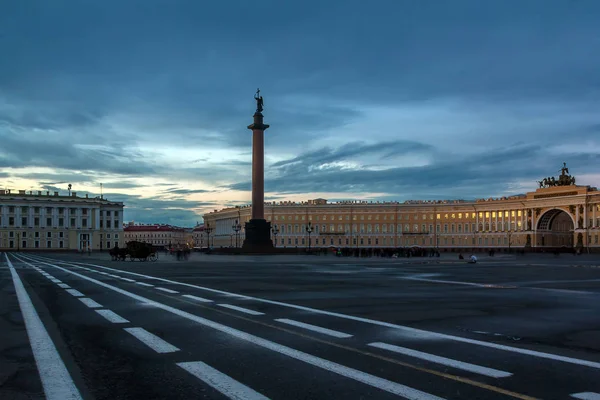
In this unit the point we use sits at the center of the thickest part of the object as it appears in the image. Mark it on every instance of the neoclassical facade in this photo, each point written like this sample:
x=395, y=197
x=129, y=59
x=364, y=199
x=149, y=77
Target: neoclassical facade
x=560, y=214
x=37, y=220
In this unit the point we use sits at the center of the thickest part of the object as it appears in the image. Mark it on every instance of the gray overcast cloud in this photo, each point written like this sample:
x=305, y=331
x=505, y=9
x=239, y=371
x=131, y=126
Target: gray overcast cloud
x=391, y=99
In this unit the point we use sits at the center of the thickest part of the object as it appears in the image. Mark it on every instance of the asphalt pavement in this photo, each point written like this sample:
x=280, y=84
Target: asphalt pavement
x=299, y=327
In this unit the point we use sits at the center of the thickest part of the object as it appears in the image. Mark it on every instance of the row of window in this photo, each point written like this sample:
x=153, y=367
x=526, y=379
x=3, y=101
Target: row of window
x=37, y=244
x=385, y=228
x=61, y=210
x=473, y=215
x=61, y=222
x=415, y=216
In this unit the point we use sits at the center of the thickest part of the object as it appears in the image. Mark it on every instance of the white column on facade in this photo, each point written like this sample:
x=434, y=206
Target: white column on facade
x=503, y=222
x=5, y=215
x=585, y=216
x=17, y=216
x=576, y=217
x=594, y=206
x=496, y=222
x=97, y=218
x=30, y=217
x=489, y=221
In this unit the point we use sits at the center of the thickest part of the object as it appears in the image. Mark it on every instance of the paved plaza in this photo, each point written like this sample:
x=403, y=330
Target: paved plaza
x=299, y=327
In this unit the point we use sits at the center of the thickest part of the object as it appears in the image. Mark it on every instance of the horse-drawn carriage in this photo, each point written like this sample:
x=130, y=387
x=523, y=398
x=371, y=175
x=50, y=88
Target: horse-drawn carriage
x=135, y=250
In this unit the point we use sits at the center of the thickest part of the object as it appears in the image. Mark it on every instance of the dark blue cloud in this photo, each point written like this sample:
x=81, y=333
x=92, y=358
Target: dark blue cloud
x=355, y=93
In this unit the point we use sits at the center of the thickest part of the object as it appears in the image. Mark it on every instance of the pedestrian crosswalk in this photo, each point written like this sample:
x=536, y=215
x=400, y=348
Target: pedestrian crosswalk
x=420, y=351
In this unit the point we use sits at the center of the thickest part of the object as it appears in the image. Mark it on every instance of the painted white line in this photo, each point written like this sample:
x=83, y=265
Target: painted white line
x=74, y=292
x=201, y=299
x=54, y=280
x=64, y=286
x=221, y=382
x=112, y=317
x=241, y=309
x=586, y=396
x=144, y=284
x=368, y=379
x=152, y=341
x=494, y=373
x=90, y=303
x=166, y=290
x=127, y=279
x=314, y=328
x=56, y=381
x=414, y=332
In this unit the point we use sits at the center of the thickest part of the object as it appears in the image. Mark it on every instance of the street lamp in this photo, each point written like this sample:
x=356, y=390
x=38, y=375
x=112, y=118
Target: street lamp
x=275, y=231
x=237, y=227
x=309, y=230
x=208, y=231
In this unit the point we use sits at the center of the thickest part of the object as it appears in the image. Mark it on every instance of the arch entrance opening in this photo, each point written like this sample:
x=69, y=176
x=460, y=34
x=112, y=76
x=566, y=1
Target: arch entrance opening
x=555, y=229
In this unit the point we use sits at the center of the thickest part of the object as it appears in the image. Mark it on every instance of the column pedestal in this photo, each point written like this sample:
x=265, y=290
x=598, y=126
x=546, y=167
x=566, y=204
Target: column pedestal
x=258, y=237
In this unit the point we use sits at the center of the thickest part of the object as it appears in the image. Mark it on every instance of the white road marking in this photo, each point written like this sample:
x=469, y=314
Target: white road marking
x=127, y=279
x=54, y=280
x=154, y=342
x=586, y=396
x=75, y=293
x=314, y=328
x=112, y=317
x=166, y=290
x=64, y=286
x=368, y=379
x=56, y=381
x=413, y=332
x=202, y=299
x=114, y=276
x=241, y=309
x=221, y=382
x=144, y=284
x=90, y=303
x=494, y=373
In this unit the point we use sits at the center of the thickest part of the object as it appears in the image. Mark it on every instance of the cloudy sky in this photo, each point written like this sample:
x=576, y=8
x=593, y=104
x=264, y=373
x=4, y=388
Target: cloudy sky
x=387, y=99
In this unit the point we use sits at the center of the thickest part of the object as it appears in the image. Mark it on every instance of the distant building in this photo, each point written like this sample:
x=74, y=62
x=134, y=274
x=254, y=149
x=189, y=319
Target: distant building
x=36, y=220
x=559, y=214
x=159, y=234
x=199, y=236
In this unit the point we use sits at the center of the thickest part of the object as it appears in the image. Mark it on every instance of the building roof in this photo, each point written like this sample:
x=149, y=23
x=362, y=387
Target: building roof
x=152, y=228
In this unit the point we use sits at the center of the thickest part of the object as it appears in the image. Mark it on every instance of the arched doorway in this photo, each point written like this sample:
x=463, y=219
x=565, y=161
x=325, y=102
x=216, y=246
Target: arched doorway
x=555, y=229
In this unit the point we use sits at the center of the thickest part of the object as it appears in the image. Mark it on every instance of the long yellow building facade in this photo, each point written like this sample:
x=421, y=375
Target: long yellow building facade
x=560, y=214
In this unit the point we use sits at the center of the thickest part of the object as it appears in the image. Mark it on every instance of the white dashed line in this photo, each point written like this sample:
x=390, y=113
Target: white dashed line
x=112, y=317
x=127, y=279
x=368, y=379
x=75, y=293
x=314, y=328
x=201, y=299
x=494, y=373
x=64, y=286
x=90, y=303
x=228, y=386
x=586, y=396
x=241, y=309
x=154, y=342
x=166, y=290
x=56, y=381
x=144, y=284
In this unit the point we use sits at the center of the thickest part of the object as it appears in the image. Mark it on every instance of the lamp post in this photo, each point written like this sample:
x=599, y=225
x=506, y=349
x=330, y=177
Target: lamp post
x=275, y=231
x=309, y=230
x=208, y=231
x=237, y=227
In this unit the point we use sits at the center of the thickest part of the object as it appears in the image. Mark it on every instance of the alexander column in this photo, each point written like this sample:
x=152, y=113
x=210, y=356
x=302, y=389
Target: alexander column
x=258, y=230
